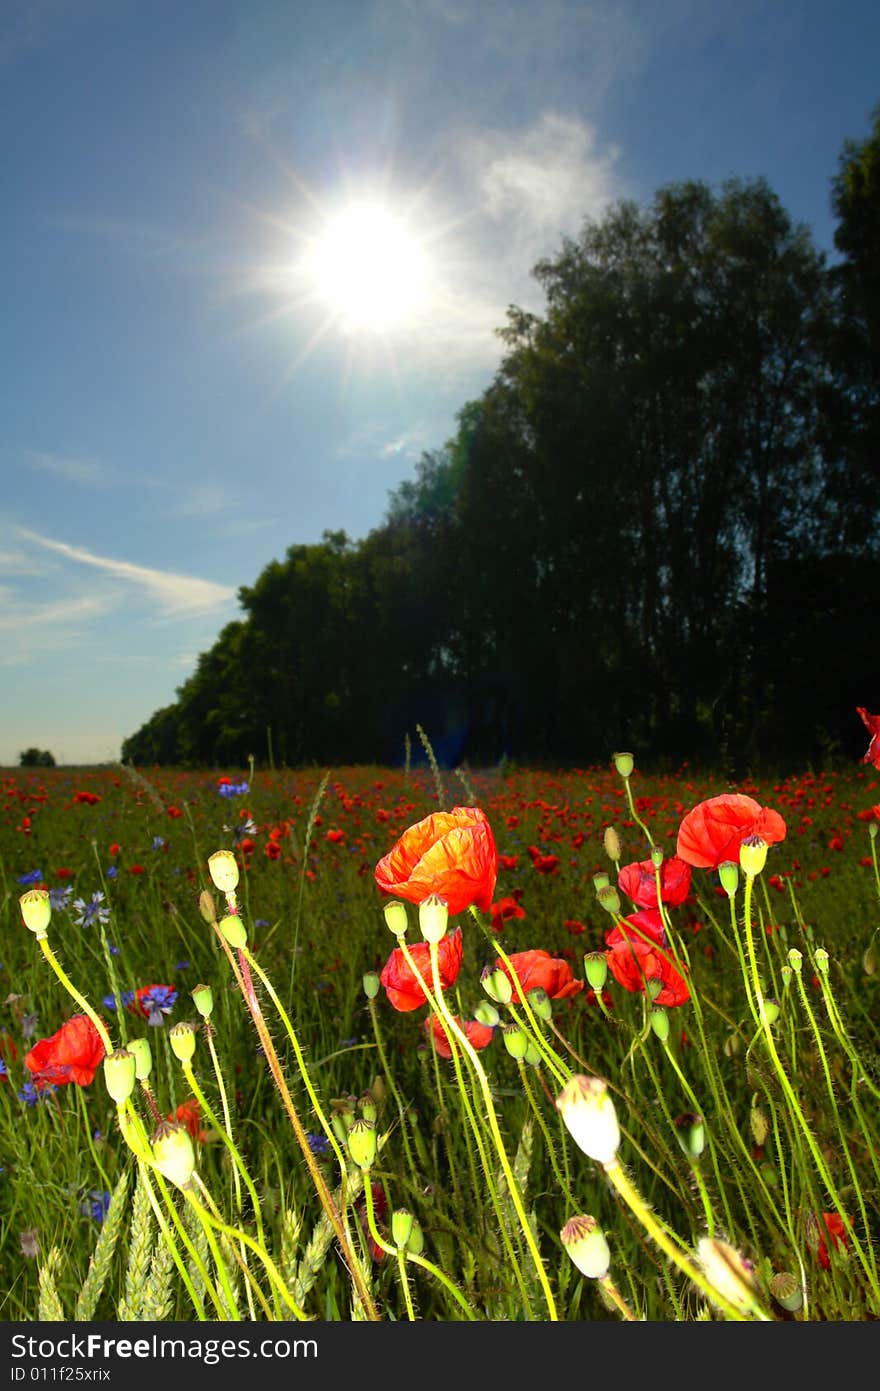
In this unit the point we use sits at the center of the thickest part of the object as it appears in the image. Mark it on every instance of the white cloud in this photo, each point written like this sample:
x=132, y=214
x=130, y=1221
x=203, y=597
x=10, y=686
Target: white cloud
x=176, y=595
x=66, y=467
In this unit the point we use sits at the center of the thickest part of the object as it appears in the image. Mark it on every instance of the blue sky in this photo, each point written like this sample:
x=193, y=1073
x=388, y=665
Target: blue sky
x=254, y=254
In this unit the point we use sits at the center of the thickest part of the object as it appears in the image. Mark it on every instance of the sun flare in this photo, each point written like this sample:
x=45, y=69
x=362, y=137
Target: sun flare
x=369, y=268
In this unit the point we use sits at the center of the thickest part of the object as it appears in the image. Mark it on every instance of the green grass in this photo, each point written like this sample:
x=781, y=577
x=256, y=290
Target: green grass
x=474, y=1147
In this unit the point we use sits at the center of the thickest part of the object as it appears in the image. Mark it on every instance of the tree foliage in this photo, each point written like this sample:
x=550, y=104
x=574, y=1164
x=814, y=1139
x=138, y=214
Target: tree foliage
x=657, y=527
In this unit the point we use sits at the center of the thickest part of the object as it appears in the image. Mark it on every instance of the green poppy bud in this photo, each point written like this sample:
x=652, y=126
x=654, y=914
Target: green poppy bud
x=795, y=960
x=611, y=841
x=371, y=984
x=624, y=763
x=820, y=958
x=496, y=984
x=143, y=1057
x=690, y=1131
x=659, y=1021
x=207, y=906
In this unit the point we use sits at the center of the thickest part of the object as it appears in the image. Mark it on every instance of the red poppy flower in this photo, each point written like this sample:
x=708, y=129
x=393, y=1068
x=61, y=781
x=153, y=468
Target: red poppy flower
x=136, y=869
x=400, y=981
x=508, y=861
x=73, y=1054
x=538, y=968
x=273, y=850
x=714, y=830
x=647, y=923
x=639, y=882
x=174, y=812
x=380, y=1207
x=335, y=837
x=503, y=910
x=87, y=798
x=836, y=1229
x=451, y=853
x=872, y=723
x=635, y=962
x=189, y=1114
x=478, y=1035
x=114, y=849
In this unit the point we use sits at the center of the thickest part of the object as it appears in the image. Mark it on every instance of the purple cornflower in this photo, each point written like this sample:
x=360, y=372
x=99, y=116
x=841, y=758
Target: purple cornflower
x=91, y=912
x=157, y=1001
x=59, y=898
x=33, y=876
x=318, y=1144
x=233, y=789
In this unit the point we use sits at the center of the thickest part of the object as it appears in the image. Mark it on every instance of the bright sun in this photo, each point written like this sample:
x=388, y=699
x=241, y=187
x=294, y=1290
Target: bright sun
x=369, y=268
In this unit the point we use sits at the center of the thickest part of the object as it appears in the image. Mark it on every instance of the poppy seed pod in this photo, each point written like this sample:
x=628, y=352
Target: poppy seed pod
x=590, y=1117
x=36, y=910
x=233, y=930
x=596, y=969
x=786, y=1290
x=624, y=763
x=395, y=917
x=433, y=918
x=728, y=873
x=182, y=1037
x=223, y=869
x=752, y=856
x=362, y=1144
x=585, y=1243
x=173, y=1153
x=120, y=1074
x=203, y=999
x=371, y=983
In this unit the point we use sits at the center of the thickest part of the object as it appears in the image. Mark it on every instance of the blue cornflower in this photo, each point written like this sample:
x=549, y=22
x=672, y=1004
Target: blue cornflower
x=156, y=1001
x=32, y=1096
x=158, y=842
x=112, y=871
x=182, y=966
x=114, y=951
x=233, y=789
x=318, y=1144
x=95, y=1204
x=91, y=912
x=59, y=898
x=28, y=1025
x=109, y=1000
x=2, y=1068
x=33, y=876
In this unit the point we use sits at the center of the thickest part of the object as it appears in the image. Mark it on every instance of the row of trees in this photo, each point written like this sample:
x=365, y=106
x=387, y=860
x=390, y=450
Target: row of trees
x=657, y=527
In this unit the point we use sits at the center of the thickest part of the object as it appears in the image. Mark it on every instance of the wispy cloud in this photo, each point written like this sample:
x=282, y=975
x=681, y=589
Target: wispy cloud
x=31, y=629
x=67, y=467
x=177, y=595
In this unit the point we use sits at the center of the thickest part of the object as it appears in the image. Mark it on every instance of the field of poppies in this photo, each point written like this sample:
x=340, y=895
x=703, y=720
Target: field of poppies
x=418, y=1044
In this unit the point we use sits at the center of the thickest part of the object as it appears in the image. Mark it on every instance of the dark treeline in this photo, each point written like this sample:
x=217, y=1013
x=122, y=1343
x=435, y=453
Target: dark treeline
x=656, y=529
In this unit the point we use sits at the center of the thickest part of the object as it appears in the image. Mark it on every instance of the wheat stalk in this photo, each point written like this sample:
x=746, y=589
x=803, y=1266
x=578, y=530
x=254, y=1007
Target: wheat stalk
x=102, y=1258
